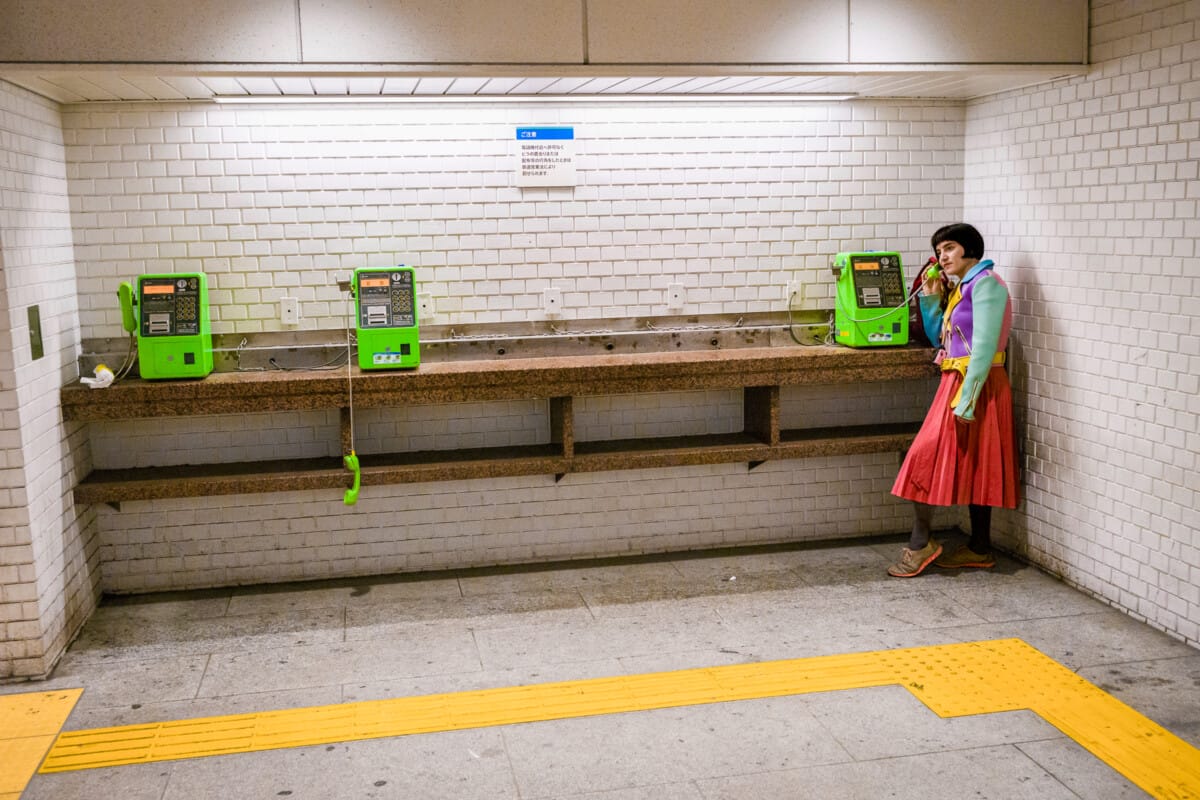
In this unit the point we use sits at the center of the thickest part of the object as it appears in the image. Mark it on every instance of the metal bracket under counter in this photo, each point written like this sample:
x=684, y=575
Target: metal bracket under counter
x=758, y=372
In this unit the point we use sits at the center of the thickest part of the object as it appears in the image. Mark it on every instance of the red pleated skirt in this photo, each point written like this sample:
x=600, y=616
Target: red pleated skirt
x=952, y=462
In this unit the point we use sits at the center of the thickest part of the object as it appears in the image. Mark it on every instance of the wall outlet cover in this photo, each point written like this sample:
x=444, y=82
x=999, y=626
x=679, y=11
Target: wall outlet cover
x=289, y=310
x=552, y=301
x=425, y=307
x=676, y=296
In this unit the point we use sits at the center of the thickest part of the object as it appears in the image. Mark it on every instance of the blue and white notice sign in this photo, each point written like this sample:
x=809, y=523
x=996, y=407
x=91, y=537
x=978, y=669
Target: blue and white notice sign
x=546, y=156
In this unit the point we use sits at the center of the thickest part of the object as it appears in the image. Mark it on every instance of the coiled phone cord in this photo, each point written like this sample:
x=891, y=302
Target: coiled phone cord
x=130, y=359
x=929, y=267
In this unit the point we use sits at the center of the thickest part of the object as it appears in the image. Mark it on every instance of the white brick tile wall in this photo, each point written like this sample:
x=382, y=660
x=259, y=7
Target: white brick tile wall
x=121, y=444
x=164, y=544
x=831, y=405
x=645, y=416
x=451, y=426
x=731, y=202
x=1087, y=189
x=48, y=574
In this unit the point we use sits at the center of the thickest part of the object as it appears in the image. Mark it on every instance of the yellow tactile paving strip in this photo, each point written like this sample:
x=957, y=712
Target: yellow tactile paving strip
x=952, y=680
x=29, y=724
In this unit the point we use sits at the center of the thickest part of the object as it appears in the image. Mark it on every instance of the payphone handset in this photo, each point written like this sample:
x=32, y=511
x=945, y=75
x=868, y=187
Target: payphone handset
x=129, y=320
x=169, y=315
x=385, y=304
x=870, y=308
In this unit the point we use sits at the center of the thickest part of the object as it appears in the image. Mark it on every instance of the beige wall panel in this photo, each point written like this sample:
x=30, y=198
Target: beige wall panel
x=148, y=30
x=690, y=32
x=969, y=31
x=442, y=31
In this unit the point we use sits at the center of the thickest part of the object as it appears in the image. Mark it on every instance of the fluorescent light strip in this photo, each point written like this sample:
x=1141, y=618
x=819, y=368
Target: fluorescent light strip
x=531, y=98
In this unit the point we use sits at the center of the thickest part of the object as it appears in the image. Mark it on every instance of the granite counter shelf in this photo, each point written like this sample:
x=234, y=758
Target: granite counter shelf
x=758, y=372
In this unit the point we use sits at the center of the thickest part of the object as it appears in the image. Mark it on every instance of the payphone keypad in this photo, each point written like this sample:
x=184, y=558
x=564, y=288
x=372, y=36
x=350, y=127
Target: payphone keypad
x=185, y=308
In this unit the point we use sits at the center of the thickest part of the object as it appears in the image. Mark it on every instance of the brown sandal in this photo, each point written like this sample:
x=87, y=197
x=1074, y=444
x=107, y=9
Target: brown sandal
x=913, y=562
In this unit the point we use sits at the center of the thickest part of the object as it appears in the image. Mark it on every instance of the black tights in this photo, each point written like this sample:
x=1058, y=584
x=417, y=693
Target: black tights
x=981, y=527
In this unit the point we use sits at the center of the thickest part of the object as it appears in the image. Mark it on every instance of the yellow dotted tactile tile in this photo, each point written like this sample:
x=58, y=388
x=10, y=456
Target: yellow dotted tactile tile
x=952, y=680
x=28, y=725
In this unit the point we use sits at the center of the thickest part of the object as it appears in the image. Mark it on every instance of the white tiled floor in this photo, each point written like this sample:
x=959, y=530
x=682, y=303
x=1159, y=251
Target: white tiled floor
x=219, y=652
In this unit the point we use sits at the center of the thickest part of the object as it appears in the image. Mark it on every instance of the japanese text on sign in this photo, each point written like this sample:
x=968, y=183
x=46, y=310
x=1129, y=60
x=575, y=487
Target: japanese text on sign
x=546, y=156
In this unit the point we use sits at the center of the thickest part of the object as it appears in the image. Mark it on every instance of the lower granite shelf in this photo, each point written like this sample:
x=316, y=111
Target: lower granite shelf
x=759, y=372
x=153, y=483
x=206, y=480
x=451, y=465
x=672, y=451
x=850, y=439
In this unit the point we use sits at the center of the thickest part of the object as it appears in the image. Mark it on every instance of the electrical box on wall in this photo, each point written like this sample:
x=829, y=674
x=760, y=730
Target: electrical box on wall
x=385, y=304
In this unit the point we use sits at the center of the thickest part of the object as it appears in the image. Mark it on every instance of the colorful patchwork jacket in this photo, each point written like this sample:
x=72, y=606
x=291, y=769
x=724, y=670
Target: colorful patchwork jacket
x=973, y=331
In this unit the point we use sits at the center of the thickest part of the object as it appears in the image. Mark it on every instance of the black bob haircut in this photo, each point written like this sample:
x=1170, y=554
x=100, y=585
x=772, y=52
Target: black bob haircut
x=963, y=234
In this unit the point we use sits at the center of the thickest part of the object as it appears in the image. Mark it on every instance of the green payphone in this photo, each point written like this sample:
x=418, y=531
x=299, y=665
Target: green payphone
x=385, y=303
x=169, y=314
x=870, y=308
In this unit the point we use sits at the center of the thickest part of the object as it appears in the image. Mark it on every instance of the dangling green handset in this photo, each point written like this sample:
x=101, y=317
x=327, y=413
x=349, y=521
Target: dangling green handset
x=351, y=462
x=129, y=319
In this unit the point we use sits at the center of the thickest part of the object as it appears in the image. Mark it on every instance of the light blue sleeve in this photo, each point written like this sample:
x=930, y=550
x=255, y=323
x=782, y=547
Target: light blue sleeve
x=931, y=316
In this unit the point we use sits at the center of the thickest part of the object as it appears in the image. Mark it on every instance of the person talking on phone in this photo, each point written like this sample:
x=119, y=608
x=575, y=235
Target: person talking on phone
x=965, y=452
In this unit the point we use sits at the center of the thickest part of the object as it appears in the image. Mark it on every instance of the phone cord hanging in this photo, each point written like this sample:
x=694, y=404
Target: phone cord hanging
x=351, y=461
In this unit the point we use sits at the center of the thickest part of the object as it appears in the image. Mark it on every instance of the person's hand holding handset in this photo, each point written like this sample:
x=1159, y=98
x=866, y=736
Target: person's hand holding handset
x=934, y=282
